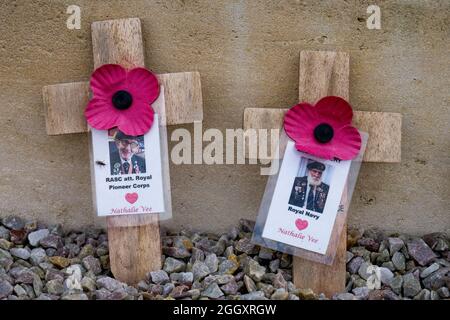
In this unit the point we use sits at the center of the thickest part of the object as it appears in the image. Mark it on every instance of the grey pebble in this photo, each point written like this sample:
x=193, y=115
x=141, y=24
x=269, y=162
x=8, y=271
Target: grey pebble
x=159, y=277
x=109, y=283
x=212, y=291
x=398, y=259
x=35, y=237
x=21, y=253
x=5, y=289
x=13, y=222
x=173, y=265
x=432, y=268
x=411, y=286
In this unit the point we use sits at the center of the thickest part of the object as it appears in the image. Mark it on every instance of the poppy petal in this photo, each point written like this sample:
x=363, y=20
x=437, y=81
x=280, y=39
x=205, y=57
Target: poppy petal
x=100, y=115
x=137, y=120
x=336, y=108
x=143, y=84
x=300, y=121
x=346, y=143
x=107, y=79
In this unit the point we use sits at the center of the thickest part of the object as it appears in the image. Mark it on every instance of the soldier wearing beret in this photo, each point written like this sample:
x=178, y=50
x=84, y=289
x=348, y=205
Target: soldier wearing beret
x=309, y=191
x=125, y=160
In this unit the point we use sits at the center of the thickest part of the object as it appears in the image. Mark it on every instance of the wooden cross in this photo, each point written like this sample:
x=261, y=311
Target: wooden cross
x=326, y=73
x=134, y=240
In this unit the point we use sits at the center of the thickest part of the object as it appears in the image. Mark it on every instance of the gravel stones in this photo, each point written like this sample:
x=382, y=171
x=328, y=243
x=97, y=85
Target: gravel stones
x=21, y=253
x=255, y=270
x=344, y=296
x=45, y=263
x=411, y=285
x=396, y=284
x=4, y=233
x=88, y=284
x=249, y=284
x=265, y=253
x=257, y=295
x=24, y=275
x=443, y=292
x=174, y=265
x=109, y=283
x=228, y=266
x=92, y=264
x=179, y=253
x=245, y=246
x=420, y=251
x=354, y=265
x=182, y=278
x=231, y=288
x=395, y=244
x=280, y=294
x=437, y=241
x=55, y=287
x=437, y=279
x=361, y=293
x=35, y=237
x=212, y=262
x=13, y=223
x=159, y=277
x=212, y=291
x=51, y=241
x=200, y=270
x=399, y=261
x=5, y=289
x=60, y=262
x=385, y=275
x=369, y=243
x=363, y=270
x=246, y=225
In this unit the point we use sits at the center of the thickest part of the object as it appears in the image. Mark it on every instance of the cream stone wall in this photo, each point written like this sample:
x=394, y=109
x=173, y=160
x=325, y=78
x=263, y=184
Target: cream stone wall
x=247, y=53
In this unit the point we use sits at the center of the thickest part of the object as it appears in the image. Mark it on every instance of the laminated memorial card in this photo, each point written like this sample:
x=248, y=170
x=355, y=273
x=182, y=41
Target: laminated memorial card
x=306, y=200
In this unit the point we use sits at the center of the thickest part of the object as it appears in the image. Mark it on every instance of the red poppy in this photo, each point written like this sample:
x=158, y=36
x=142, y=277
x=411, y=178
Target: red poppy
x=122, y=98
x=324, y=130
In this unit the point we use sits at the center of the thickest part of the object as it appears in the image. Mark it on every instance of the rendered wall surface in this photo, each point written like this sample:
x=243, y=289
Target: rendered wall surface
x=247, y=53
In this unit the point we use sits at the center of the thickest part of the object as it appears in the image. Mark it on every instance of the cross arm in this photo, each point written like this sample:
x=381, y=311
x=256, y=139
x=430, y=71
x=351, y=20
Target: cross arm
x=384, y=130
x=326, y=73
x=64, y=103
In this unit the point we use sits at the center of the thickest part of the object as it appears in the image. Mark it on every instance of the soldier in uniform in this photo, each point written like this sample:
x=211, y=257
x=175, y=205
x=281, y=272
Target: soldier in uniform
x=125, y=160
x=309, y=191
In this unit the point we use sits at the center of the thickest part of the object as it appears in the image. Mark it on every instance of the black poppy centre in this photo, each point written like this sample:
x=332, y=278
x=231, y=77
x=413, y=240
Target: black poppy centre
x=122, y=100
x=323, y=133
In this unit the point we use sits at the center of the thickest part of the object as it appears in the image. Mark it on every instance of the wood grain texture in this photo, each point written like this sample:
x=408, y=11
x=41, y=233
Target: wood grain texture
x=384, y=130
x=385, y=135
x=64, y=106
x=183, y=95
x=118, y=41
x=322, y=278
x=133, y=250
x=323, y=74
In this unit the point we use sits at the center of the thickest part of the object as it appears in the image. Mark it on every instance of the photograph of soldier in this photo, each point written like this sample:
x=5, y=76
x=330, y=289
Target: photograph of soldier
x=310, y=191
x=126, y=154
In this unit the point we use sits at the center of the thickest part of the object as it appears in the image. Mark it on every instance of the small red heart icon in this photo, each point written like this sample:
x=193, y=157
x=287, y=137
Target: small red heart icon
x=301, y=224
x=131, y=197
